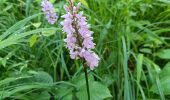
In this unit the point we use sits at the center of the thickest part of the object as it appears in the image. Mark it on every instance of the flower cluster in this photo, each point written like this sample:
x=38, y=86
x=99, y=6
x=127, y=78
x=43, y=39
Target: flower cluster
x=49, y=11
x=79, y=39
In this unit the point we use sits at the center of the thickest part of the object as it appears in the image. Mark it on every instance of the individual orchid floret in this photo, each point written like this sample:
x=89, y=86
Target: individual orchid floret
x=91, y=58
x=49, y=11
x=79, y=39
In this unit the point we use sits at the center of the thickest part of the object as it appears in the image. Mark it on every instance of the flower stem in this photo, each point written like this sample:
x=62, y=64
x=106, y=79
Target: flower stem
x=87, y=83
x=55, y=73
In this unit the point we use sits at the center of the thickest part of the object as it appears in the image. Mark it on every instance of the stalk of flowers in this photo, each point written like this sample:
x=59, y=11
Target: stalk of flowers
x=49, y=11
x=79, y=39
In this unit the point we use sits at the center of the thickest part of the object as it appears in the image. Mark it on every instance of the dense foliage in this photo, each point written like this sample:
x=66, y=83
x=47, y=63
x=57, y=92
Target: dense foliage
x=132, y=39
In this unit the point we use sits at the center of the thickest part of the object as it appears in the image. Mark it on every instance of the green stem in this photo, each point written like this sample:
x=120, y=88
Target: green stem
x=87, y=83
x=55, y=73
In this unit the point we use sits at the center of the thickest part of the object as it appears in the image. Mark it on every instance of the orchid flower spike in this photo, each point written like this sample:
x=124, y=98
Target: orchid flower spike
x=79, y=39
x=49, y=11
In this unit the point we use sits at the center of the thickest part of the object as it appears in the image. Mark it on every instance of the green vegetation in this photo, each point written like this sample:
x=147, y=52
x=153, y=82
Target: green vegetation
x=132, y=39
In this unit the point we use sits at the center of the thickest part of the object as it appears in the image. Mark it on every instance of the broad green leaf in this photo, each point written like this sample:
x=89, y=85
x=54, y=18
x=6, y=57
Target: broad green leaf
x=43, y=77
x=80, y=80
x=164, y=84
x=64, y=92
x=98, y=91
x=164, y=54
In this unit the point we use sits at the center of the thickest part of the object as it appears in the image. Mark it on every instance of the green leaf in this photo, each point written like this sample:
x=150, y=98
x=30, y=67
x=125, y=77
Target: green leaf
x=146, y=50
x=164, y=84
x=164, y=54
x=21, y=88
x=17, y=26
x=33, y=40
x=48, y=33
x=38, y=1
x=36, y=25
x=68, y=97
x=84, y=3
x=41, y=96
x=14, y=39
x=43, y=77
x=3, y=62
x=108, y=79
x=80, y=80
x=12, y=79
x=165, y=1
x=139, y=66
x=165, y=71
x=98, y=91
x=64, y=92
x=52, y=1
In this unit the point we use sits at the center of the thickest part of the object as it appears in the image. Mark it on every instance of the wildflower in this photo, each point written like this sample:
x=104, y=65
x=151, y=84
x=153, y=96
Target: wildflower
x=49, y=11
x=79, y=38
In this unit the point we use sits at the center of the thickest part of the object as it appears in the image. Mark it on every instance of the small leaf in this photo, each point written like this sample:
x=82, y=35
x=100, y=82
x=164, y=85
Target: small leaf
x=48, y=33
x=36, y=25
x=146, y=50
x=33, y=40
x=3, y=62
x=84, y=3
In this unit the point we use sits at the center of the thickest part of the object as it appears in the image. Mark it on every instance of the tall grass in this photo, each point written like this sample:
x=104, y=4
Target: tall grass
x=132, y=41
